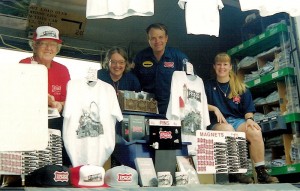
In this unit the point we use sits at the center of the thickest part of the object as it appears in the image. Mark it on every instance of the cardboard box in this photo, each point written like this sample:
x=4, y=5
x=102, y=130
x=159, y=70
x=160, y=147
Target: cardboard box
x=130, y=101
x=68, y=24
x=146, y=170
x=206, y=178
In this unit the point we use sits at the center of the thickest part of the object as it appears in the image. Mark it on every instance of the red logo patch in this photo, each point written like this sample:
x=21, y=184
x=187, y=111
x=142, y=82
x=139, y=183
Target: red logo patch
x=124, y=177
x=137, y=129
x=165, y=135
x=61, y=176
x=169, y=64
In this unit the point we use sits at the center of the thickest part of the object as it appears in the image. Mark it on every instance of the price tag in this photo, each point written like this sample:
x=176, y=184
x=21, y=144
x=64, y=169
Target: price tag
x=92, y=74
x=189, y=68
x=262, y=36
x=257, y=81
x=275, y=75
x=291, y=169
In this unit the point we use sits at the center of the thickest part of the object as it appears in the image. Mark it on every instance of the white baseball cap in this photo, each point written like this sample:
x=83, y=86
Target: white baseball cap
x=121, y=177
x=47, y=32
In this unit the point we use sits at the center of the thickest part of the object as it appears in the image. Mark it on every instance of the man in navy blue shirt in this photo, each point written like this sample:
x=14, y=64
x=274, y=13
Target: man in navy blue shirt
x=154, y=66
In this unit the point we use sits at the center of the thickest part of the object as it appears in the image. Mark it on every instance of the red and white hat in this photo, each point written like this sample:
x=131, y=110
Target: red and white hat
x=87, y=176
x=47, y=32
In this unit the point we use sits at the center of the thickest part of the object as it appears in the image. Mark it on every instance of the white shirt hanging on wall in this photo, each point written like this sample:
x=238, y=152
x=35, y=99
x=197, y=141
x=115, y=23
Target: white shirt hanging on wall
x=271, y=7
x=202, y=16
x=90, y=116
x=118, y=9
x=188, y=102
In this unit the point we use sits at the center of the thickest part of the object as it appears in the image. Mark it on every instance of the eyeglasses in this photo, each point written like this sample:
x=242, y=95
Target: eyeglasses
x=47, y=44
x=115, y=62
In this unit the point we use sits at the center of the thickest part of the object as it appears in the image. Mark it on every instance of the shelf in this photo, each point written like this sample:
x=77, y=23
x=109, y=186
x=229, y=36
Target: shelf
x=148, y=115
x=292, y=117
x=277, y=75
x=259, y=43
x=288, y=169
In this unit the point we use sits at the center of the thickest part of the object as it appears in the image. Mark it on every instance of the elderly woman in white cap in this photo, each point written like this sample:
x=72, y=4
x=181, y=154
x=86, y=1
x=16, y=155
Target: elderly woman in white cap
x=45, y=45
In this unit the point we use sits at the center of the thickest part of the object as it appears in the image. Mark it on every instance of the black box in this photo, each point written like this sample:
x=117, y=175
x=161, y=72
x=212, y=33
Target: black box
x=136, y=124
x=165, y=134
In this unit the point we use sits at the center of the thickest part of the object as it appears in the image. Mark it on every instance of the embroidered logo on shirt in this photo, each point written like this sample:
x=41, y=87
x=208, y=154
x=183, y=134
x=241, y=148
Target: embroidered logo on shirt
x=56, y=89
x=147, y=64
x=236, y=99
x=169, y=64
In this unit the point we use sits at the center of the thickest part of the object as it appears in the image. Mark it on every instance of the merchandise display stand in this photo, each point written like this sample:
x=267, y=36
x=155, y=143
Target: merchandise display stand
x=219, y=187
x=275, y=92
x=24, y=117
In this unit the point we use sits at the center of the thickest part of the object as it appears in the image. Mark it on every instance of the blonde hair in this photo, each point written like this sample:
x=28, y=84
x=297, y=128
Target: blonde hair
x=237, y=87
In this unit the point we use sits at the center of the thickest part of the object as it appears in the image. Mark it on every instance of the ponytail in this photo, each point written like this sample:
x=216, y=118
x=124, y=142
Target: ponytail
x=237, y=87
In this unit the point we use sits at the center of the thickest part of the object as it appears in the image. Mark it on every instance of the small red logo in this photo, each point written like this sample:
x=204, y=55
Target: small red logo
x=236, y=99
x=169, y=64
x=137, y=129
x=165, y=135
x=126, y=131
x=61, y=176
x=125, y=177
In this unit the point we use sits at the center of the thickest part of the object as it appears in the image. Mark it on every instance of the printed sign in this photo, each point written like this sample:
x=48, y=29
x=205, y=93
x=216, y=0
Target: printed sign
x=221, y=152
x=68, y=24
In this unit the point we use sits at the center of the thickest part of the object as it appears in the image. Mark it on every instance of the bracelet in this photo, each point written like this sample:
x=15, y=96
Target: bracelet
x=250, y=118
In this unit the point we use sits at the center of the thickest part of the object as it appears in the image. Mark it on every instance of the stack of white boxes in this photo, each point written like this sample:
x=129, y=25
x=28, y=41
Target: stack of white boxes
x=22, y=163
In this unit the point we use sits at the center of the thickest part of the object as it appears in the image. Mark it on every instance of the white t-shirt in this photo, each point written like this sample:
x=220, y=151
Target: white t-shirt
x=90, y=115
x=270, y=7
x=202, y=16
x=188, y=102
x=118, y=9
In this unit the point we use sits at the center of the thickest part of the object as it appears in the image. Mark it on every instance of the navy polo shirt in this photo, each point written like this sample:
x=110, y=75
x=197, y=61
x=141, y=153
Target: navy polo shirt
x=156, y=76
x=128, y=81
x=236, y=108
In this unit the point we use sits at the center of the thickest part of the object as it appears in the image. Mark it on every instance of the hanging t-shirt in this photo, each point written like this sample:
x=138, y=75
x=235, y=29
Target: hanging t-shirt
x=271, y=7
x=202, y=16
x=118, y=9
x=90, y=115
x=188, y=103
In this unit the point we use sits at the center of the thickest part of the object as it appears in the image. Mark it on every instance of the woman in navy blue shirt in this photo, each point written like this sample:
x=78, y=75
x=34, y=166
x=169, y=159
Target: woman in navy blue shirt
x=231, y=109
x=116, y=71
